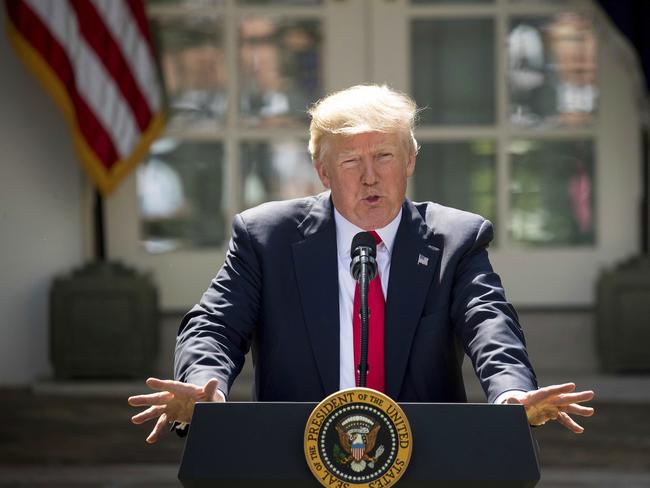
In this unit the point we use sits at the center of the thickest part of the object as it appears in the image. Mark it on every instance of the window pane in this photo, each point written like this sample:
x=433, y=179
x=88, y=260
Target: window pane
x=180, y=192
x=276, y=171
x=543, y=2
x=449, y=2
x=552, y=71
x=280, y=70
x=186, y=3
x=452, y=68
x=194, y=71
x=552, y=192
x=458, y=174
x=280, y=2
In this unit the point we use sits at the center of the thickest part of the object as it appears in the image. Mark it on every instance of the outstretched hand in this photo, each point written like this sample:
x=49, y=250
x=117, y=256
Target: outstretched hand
x=555, y=402
x=174, y=402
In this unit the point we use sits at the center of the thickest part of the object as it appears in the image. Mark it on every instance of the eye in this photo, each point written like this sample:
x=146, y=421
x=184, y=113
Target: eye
x=349, y=161
x=385, y=155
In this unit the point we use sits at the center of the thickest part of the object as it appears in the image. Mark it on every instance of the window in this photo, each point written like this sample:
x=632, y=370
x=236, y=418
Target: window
x=530, y=122
x=511, y=101
x=237, y=84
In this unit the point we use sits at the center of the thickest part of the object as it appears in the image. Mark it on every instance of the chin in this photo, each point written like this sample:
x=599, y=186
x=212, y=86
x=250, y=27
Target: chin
x=374, y=222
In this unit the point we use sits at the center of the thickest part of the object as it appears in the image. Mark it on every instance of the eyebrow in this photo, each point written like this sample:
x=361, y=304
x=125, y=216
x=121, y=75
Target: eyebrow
x=387, y=146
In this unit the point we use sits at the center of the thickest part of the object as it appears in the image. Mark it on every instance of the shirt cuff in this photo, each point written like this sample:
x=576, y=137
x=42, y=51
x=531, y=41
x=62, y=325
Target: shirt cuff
x=509, y=394
x=221, y=395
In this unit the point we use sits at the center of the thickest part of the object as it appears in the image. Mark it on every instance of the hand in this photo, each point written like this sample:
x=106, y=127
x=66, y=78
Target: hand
x=555, y=402
x=173, y=403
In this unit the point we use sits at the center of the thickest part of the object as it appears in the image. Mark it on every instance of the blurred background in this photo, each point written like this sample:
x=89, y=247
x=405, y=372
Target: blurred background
x=535, y=115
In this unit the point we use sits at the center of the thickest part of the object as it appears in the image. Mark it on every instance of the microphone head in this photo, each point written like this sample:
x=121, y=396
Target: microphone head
x=363, y=251
x=363, y=239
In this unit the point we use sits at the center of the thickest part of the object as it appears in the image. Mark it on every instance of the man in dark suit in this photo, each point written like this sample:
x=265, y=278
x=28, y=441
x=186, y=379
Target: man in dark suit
x=285, y=287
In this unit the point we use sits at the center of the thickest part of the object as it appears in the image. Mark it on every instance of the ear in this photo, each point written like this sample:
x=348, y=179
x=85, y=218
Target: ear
x=410, y=164
x=321, y=169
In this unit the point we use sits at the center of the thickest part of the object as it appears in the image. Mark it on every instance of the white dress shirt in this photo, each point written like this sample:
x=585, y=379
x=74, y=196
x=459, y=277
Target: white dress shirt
x=345, y=232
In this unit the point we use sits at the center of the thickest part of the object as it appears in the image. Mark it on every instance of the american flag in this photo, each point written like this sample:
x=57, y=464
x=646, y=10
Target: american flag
x=95, y=58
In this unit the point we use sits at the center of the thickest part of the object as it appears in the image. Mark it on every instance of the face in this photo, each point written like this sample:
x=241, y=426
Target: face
x=367, y=175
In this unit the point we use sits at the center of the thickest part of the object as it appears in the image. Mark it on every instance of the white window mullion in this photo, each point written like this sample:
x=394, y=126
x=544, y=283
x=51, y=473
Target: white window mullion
x=232, y=197
x=503, y=139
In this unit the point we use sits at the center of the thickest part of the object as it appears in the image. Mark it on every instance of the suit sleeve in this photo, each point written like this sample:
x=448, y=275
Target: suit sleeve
x=216, y=334
x=487, y=324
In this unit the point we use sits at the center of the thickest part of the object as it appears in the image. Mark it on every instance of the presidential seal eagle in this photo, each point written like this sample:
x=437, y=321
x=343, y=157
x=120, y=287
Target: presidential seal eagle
x=357, y=445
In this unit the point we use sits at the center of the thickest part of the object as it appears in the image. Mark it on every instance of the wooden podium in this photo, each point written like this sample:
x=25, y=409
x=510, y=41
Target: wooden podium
x=454, y=445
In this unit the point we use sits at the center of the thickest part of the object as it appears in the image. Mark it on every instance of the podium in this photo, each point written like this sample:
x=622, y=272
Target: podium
x=255, y=444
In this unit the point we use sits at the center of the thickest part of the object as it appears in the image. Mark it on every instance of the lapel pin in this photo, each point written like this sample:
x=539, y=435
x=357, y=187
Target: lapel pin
x=423, y=260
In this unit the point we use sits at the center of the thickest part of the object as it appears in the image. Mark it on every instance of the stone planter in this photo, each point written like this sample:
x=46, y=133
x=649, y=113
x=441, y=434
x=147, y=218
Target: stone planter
x=103, y=323
x=623, y=317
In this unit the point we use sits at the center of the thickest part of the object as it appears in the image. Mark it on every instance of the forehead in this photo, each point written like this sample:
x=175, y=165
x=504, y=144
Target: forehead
x=369, y=141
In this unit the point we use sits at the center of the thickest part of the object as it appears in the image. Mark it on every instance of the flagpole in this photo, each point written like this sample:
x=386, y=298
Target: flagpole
x=645, y=211
x=100, y=242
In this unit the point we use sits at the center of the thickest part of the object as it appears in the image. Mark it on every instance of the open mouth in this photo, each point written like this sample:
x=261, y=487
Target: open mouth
x=372, y=199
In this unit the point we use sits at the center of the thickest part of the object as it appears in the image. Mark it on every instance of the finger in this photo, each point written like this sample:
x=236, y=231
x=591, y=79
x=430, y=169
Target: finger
x=549, y=391
x=569, y=423
x=174, y=386
x=158, y=428
x=569, y=398
x=210, y=390
x=148, y=414
x=543, y=394
x=159, y=398
x=578, y=410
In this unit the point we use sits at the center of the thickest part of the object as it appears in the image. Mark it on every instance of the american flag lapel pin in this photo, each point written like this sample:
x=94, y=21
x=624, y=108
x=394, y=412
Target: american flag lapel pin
x=423, y=260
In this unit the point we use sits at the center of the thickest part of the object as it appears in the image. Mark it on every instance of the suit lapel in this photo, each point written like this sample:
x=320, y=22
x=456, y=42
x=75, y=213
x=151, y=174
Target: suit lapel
x=316, y=267
x=413, y=263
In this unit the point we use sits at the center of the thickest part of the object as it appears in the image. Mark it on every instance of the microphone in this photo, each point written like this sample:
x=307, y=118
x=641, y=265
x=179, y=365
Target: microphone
x=363, y=251
x=363, y=268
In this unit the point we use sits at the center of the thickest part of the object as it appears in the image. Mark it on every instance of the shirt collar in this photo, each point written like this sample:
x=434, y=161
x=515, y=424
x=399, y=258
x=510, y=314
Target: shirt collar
x=346, y=230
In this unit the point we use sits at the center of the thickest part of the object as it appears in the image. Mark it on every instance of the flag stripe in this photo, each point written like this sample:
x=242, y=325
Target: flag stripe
x=101, y=40
x=135, y=49
x=94, y=84
x=36, y=33
x=138, y=13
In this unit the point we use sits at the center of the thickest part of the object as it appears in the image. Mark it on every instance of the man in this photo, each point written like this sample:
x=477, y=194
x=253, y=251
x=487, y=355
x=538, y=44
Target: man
x=285, y=288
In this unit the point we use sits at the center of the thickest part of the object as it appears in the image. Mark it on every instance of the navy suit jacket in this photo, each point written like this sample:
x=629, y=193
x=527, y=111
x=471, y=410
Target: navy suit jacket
x=278, y=292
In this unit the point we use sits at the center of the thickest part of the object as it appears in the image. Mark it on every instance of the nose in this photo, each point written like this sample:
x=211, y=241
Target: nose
x=369, y=176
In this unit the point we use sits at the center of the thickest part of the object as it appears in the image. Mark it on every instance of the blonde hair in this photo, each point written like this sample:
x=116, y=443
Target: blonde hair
x=361, y=109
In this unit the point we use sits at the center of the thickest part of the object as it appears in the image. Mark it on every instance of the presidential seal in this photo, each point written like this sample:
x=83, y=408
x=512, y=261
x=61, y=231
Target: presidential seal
x=358, y=437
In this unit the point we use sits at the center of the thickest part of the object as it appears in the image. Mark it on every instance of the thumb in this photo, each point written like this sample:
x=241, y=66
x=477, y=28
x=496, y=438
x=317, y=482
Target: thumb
x=512, y=401
x=210, y=390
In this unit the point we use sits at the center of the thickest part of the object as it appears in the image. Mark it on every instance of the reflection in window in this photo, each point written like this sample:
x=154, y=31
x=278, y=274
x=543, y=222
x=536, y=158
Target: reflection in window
x=543, y=2
x=552, y=71
x=279, y=69
x=552, y=192
x=187, y=4
x=449, y=2
x=194, y=71
x=458, y=174
x=452, y=70
x=280, y=2
x=180, y=189
x=276, y=171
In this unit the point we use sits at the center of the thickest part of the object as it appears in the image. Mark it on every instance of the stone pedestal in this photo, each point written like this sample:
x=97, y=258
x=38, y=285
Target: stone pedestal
x=103, y=323
x=623, y=317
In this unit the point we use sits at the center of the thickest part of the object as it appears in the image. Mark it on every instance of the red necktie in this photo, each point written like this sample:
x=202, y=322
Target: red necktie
x=376, y=303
